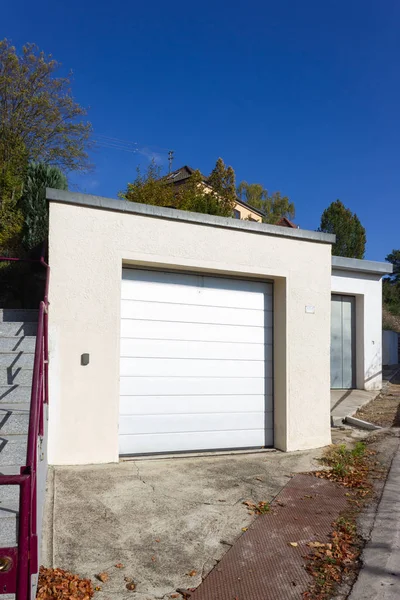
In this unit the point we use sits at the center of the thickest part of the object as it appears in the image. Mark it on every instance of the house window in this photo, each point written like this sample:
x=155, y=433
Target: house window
x=236, y=213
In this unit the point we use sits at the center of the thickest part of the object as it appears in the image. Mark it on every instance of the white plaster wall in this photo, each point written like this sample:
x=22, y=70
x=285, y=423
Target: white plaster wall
x=367, y=288
x=390, y=352
x=87, y=249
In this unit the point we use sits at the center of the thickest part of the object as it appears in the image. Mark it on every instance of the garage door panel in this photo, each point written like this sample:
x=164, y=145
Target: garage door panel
x=135, y=348
x=197, y=297
x=191, y=367
x=195, y=289
x=138, y=424
x=185, y=313
x=210, y=386
x=142, y=405
x=181, y=442
x=193, y=331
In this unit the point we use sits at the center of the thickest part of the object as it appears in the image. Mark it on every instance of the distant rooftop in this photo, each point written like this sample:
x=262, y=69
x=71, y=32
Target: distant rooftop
x=185, y=172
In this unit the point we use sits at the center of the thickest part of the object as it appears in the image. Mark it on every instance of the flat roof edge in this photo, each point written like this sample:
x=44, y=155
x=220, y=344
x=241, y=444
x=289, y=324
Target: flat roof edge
x=364, y=266
x=159, y=212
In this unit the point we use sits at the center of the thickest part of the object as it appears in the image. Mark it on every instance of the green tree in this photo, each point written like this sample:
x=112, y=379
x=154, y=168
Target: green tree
x=150, y=188
x=38, y=112
x=391, y=284
x=196, y=197
x=39, y=121
x=222, y=181
x=273, y=206
x=11, y=221
x=192, y=195
x=39, y=176
x=11, y=184
x=394, y=258
x=350, y=234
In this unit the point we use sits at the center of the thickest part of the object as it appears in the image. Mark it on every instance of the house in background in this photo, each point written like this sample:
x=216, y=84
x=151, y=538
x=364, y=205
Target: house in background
x=242, y=210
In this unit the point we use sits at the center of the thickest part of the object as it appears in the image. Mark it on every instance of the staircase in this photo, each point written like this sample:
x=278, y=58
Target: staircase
x=17, y=347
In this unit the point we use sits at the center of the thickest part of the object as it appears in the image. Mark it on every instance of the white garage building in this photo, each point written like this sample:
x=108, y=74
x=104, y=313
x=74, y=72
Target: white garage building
x=172, y=332
x=356, y=324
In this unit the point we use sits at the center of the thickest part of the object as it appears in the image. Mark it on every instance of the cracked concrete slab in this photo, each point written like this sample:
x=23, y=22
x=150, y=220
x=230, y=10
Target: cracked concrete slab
x=161, y=518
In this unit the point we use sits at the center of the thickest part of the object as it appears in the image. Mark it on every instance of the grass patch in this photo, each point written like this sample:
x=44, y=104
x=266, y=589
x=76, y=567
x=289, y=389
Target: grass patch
x=329, y=563
x=350, y=467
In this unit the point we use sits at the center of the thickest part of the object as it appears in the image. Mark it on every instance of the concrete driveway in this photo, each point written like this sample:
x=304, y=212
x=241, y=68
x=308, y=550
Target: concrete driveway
x=162, y=518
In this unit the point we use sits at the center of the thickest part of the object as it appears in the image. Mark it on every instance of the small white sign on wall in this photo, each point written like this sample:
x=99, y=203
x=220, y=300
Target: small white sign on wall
x=310, y=309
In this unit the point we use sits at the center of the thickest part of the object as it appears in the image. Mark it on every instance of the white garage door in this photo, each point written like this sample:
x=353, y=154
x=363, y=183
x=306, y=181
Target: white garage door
x=196, y=363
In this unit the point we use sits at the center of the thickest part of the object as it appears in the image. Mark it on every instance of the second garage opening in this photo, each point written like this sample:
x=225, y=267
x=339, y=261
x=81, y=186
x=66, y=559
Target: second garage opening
x=343, y=339
x=196, y=363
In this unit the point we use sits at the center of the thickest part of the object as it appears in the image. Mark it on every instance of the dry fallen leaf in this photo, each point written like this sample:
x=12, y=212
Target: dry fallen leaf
x=131, y=586
x=157, y=540
x=294, y=544
x=153, y=558
x=97, y=588
x=103, y=577
x=249, y=503
x=317, y=545
x=259, y=478
x=192, y=573
x=244, y=528
x=128, y=579
x=119, y=566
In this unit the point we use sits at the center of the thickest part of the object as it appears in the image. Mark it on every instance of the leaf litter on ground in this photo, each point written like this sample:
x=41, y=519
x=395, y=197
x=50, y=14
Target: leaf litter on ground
x=57, y=584
x=330, y=562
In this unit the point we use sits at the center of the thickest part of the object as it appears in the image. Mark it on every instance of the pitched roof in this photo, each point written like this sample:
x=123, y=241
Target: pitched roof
x=179, y=175
x=285, y=222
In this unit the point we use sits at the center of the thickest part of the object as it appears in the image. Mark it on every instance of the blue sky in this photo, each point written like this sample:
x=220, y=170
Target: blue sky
x=303, y=97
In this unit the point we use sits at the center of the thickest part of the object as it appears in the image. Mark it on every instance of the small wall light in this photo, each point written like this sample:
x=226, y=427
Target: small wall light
x=84, y=359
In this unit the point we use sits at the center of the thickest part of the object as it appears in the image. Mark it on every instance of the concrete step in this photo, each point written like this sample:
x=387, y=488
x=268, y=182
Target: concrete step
x=8, y=529
x=16, y=343
x=17, y=328
x=10, y=470
x=18, y=314
x=14, y=420
x=15, y=393
x=9, y=498
x=9, y=508
x=12, y=451
x=13, y=376
x=17, y=359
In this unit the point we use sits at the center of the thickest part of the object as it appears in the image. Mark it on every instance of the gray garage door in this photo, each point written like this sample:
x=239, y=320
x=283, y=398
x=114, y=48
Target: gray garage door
x=343, y=342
